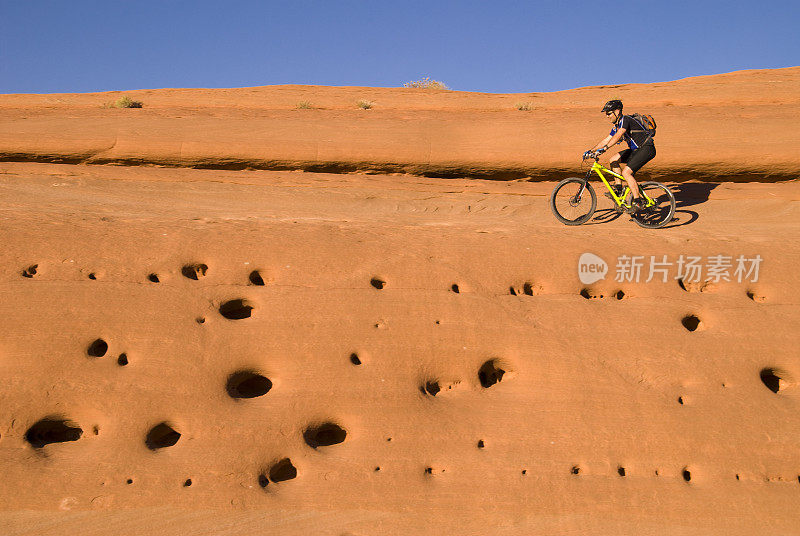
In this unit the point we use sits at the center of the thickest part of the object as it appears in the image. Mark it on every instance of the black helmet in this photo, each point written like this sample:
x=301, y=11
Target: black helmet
x=612, y=105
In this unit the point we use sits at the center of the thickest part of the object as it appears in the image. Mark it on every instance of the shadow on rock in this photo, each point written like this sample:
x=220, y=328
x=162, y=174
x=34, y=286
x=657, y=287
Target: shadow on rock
x=688, y=194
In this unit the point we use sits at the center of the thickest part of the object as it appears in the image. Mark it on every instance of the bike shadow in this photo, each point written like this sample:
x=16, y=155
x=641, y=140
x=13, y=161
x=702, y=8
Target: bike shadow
x=677, y=222
x=688, y=194
x=606, y=215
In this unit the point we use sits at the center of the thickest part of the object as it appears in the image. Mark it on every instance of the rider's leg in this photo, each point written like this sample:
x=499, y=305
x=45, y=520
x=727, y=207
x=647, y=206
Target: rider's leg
x=614, y=164
x=637, y=159
x=627, y=173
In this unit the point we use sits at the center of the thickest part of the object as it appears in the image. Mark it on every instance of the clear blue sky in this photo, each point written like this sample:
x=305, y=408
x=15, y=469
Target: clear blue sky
x=499, y=46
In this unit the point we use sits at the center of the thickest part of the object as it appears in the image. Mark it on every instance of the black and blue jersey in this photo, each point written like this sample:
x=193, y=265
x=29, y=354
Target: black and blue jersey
x=634, y=139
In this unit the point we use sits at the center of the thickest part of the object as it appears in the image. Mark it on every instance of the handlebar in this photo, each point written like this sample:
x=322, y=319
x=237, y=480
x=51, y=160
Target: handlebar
x=593, y=154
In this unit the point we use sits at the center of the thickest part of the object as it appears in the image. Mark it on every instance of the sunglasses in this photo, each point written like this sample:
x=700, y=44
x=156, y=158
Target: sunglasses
x=611, y=113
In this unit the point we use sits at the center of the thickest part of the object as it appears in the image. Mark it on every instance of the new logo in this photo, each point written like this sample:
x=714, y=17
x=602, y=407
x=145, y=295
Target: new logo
x=591, y=268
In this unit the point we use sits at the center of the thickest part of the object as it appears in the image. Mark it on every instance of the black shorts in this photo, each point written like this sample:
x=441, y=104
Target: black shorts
x=636, y=159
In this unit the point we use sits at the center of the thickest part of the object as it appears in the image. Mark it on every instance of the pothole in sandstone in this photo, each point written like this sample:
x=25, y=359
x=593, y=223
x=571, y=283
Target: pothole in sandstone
x=194, y=271
x=324, y=435
x=696, y=286
x=377, y=283
x=591, y=294
x=97, y=348
x=161, y=436
x=528, y=289
x=435, y=387
x=776, y=380
x=492, y=372
x=282, y=471
x=238, y=309
x=247, y=384
x=692, y=323
x=52, y=430
x=256, y=278
x=30, y=271
x=755, y=296
x=686, y=474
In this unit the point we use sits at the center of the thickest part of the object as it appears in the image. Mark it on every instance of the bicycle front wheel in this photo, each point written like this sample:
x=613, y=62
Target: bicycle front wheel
x=573, y=201
x=662, y=212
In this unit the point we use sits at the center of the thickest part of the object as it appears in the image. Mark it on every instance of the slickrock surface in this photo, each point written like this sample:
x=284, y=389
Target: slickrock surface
x=239, y=352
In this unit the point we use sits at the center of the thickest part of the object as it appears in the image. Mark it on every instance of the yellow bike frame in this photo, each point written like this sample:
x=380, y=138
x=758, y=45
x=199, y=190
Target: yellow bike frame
x=620, y=201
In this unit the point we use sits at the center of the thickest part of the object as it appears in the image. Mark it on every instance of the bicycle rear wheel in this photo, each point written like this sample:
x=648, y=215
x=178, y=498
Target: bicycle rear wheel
x=661, y=213
x=573, y=201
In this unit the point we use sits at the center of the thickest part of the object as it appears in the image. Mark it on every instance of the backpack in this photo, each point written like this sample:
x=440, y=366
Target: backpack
x=647, y=122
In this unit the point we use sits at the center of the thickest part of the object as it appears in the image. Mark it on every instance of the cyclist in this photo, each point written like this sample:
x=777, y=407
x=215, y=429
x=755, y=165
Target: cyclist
x=640, y=151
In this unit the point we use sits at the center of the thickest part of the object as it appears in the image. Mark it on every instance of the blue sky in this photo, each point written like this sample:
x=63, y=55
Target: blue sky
x=500, y=46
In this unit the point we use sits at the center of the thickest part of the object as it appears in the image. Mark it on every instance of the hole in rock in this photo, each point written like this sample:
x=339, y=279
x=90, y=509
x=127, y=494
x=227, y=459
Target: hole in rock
x=738, y=477
x=256, y=279
x=354, y=359
x=680, y=400
x=282, y=470
x=92, y=276
x=324, y=435
x=194, y=271
x=429, y=470
x=129, y=481
x=30, y=271
x=247, y=384
x=377, y=283
x=52, y=430
x=122, y=360
x=187, y=483
x=490, y=373
x=236, y=309
x=527, y=289
x=96, y=430
x=153, y=278
x=263, y=481
x=200, y=320
x=454, y=288
x=755, y=297
x=619, y=295
x=377, y=469
x=512, y=291
x=576, y=470
x=682, y=285
x=481, y=444
x=621, y=471
x=431, y=388
x=687, y=475
x=590, y=294
x=691, y=322
x=161, y=436
x=775, y=379
x=524, y=471
x=98, y=348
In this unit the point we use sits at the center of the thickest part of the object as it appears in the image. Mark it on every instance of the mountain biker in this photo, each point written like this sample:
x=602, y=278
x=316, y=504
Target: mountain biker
x=640, y=151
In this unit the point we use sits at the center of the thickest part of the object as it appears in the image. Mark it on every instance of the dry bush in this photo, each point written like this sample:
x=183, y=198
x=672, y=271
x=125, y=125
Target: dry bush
x=304, y=105
x=524, y=106
x=123, y=102
x=365, y=104
x=426, y=83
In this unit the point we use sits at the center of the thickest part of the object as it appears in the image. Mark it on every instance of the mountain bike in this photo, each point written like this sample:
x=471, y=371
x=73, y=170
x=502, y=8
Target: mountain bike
x=574, y=201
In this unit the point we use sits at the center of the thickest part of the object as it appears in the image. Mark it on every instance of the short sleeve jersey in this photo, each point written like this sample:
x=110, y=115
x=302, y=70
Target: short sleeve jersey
x=636, y=139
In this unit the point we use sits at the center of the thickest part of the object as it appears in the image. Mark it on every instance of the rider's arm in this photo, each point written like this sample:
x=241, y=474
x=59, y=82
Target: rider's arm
x=613, y=140
x=603, y=143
